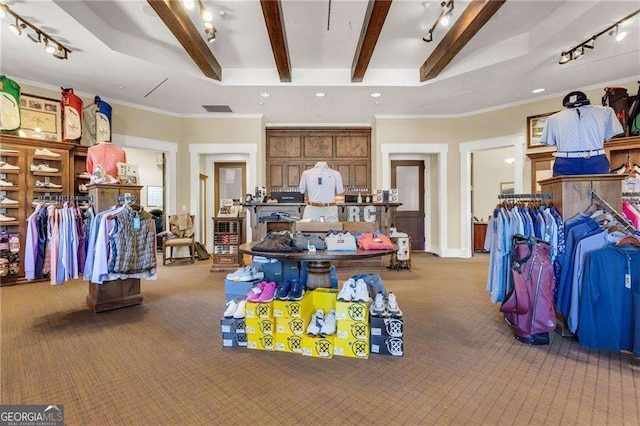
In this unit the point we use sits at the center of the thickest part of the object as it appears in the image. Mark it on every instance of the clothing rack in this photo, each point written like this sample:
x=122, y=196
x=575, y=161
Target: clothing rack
x=45, y=198
x=126, y=199
x=592, y=194
x=545, y=195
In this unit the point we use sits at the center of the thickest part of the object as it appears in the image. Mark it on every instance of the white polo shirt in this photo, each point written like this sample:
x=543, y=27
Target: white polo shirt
x=583, y=128
x=321, y=183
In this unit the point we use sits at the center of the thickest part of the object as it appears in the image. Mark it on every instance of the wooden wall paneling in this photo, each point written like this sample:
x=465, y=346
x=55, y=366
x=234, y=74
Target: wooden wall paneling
x=284, y=147
x=294, y=171
x=361, y=175
x=352, y=146
x=275, y=177
x=345, y=172
x=318, y=147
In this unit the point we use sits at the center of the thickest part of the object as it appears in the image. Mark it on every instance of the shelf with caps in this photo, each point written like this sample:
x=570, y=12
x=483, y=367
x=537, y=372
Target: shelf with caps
x=9, y=188
x=9, y=154
x=10, y=172
x=9, y=206
x=9, y=223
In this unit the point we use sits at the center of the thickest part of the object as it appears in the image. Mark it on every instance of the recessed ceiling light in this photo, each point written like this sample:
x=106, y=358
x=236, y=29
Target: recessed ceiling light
x=222, y=13
x=208, y=25
x=265, y=94
x=120, y=86
x=377, y=103
x=320, y=94
x=539, y=90
x=426, y=4
x=376, y=95
x=261, y=103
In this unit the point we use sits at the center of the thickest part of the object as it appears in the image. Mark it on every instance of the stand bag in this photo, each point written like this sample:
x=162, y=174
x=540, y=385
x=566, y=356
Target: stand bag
x=634, y=114
x=97, y=121
x=528, y=308
x=618, y=99
x=9, y=104
x=71, y=116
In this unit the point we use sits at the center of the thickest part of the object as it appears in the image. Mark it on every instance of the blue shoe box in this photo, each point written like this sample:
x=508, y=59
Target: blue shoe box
x=272, y=271
x=387, y=327
x=290, y=270
x=234, y=340
x=385, y=345
x=232, y=325
x=233, y=289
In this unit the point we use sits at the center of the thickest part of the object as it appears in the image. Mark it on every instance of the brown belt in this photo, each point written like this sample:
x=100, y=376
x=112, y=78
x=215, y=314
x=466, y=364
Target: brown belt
x=314, y=204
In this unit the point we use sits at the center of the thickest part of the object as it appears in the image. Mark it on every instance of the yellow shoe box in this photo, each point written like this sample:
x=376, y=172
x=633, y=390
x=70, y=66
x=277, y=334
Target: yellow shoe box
x=325, y=299
x=288, y=326
x=294, y=308
x=352, y=330
x=262, y=342
x=352, y=348
x=258, y=310
x=318, y=347
x=352, y=311
x=259, y=326
x=288, y=343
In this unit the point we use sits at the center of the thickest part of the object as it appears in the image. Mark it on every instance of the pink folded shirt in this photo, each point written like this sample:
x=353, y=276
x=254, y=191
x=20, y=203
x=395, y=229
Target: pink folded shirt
x=374, y=242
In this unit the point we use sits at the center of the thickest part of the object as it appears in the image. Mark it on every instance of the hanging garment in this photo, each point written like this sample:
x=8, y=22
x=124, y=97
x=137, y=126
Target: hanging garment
x=132, y=242
x=529, y=307
x=610, y=303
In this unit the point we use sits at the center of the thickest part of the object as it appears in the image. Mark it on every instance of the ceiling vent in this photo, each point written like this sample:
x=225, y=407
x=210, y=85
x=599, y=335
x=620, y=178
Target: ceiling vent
x=217, y=108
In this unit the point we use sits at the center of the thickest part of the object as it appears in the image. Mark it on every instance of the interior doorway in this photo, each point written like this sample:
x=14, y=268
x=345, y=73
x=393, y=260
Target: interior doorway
x=203, y=209
x=230, y=181
x=408, y=177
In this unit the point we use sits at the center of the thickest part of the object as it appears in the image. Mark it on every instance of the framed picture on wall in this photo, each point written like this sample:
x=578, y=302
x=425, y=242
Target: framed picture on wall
x=535, y=126
x=40, y=118
x=507, y=188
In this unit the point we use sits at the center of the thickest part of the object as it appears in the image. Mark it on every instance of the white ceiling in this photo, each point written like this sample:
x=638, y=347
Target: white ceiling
x=124, y=43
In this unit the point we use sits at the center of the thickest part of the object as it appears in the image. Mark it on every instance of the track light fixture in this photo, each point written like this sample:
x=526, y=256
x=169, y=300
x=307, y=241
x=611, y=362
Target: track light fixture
x=578, y=51
x=210, y=34
x=444, y=18
x=51, y=45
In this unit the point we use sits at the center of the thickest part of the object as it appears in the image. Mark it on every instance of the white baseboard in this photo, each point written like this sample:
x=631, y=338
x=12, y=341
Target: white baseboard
x=454, y=253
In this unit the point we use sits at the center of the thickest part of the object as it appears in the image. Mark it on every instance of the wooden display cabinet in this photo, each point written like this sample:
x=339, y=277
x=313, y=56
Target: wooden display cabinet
x=25, y=188
x=227, y=237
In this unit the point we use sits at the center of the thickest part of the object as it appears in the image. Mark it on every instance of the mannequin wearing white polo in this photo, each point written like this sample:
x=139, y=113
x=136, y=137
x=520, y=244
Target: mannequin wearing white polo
x=321, y=185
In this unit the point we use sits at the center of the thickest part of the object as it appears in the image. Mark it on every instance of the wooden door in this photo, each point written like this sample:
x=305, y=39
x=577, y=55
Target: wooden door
x=230, y=181
x=408, y=177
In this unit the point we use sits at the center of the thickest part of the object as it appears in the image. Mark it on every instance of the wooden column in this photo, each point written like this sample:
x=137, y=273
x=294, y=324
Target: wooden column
x=117, y=293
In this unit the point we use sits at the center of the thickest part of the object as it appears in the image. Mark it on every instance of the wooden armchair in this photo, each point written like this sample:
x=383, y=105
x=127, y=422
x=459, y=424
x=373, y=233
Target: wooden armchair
x=182, y=235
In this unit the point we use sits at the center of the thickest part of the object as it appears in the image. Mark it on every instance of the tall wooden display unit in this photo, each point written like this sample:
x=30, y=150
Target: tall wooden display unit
x=118, y=293
x=27, y=185
x=227, y=237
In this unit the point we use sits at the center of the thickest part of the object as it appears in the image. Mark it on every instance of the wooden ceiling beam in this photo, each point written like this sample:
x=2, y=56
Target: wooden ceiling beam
x=179, y=23
x=273, y=18
x=474, y=17
x=375, y=16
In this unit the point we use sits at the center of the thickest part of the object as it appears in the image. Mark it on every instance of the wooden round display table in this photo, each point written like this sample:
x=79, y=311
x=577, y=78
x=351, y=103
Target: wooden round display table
x=319, y=263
